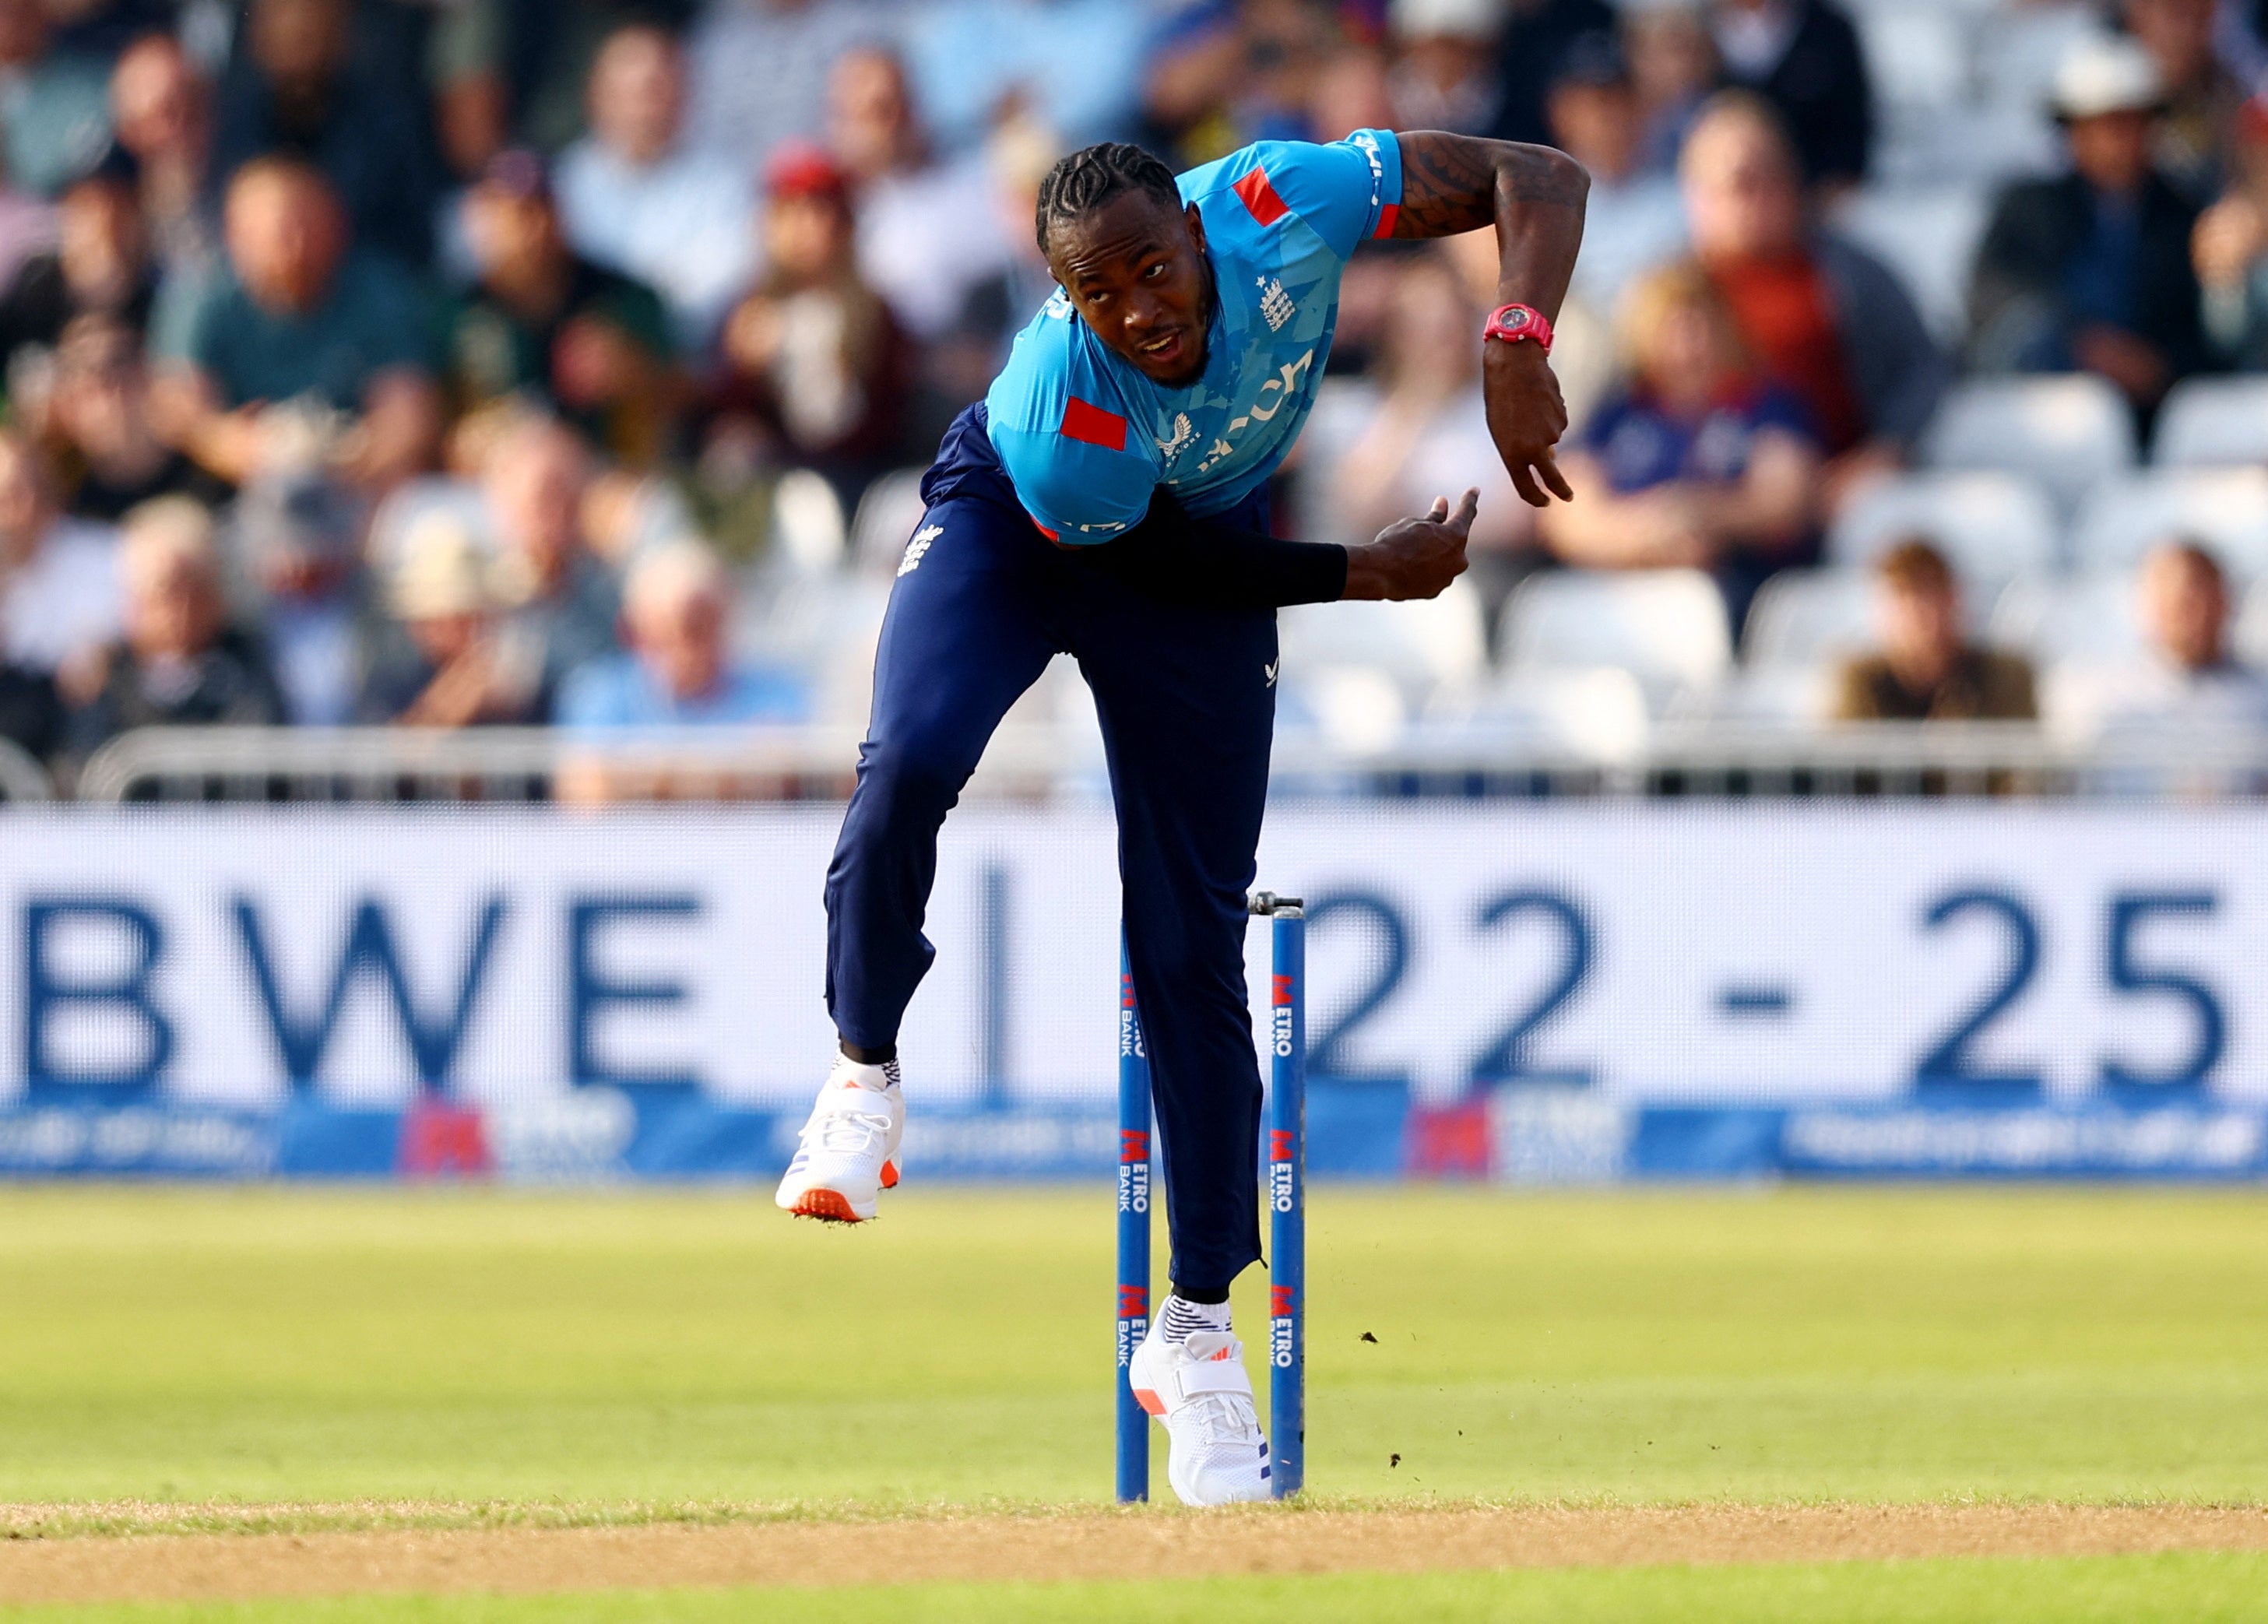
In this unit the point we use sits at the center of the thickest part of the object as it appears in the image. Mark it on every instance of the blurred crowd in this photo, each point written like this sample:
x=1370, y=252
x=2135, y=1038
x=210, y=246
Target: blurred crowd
x=449, y=362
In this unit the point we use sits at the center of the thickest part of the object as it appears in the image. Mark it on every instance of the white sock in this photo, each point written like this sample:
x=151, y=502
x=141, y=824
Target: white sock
x=1182, y=1318
x=882, y=1075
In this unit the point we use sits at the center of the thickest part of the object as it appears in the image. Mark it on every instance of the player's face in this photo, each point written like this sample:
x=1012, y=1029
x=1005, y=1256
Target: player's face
x=1135, y=271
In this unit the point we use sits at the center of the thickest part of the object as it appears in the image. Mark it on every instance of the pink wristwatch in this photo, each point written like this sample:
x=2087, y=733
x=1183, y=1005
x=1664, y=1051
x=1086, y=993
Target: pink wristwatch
x=1516, y=323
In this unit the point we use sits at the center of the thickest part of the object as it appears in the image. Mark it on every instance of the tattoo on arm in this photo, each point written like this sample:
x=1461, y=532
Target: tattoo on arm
x=1456, y=183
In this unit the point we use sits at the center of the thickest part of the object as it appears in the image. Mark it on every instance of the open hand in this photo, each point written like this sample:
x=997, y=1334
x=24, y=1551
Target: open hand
x=1414, y=557
x=1526, y=417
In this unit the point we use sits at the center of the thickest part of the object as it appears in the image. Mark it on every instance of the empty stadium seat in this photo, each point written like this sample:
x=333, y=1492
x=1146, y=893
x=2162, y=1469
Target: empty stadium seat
x=2227, y=509
x=1417, y=646
x=1929, y=235
x=808, y=530
x=885, y=521
x=2212, y=422
x=1806, y=618
x=2057, y=619
x=1990, y=525
x=1984, y=144
x=2068, y=431
x=1916, y=56
x=1597, y=715
x=1775, y=696
x=1667, y=627
x=2247, y=637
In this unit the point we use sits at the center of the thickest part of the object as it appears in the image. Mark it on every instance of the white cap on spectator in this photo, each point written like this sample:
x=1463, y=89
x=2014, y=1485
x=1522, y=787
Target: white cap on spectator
x=665, y=576
x=1448, y=20
x=2107, y=73
x=161, y=534
x=444, y=571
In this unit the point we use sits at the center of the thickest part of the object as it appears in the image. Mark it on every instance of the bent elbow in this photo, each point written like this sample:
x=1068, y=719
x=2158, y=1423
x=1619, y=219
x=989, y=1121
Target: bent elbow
x=1572, y=179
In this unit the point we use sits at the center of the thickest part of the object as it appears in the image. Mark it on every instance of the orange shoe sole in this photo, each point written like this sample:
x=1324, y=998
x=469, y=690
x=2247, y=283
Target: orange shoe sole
x=889, y=1175
x=826, y=1206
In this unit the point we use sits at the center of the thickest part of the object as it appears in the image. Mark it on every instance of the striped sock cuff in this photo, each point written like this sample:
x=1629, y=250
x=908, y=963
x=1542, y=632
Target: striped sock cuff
x=1182, y=1318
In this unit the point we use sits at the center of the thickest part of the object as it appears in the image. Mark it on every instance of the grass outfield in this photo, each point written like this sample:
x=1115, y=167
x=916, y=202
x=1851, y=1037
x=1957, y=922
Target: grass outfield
x=2190, y=1587
x=275, y=1346
x=508, y=1357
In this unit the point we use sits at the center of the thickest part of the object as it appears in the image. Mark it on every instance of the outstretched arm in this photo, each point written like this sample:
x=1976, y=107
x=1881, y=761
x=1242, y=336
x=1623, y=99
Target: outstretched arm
x=1533, y=196
x=1205, y=564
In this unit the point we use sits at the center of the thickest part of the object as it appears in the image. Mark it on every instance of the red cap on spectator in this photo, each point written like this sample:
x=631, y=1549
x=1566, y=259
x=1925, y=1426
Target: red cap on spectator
x=800, y=169
x=2252, y=120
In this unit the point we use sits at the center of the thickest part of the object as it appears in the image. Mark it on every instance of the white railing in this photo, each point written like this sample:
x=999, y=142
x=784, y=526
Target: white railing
x=21, y=777
x=395, y=764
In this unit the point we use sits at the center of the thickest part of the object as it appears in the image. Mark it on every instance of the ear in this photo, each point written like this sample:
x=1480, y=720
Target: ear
x=1196, y=223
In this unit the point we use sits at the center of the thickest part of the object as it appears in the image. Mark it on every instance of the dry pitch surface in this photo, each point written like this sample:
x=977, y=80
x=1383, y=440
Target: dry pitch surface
x=1069, y=1546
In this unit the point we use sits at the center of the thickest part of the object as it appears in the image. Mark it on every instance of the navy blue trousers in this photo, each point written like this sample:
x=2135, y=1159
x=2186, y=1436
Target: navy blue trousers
x=1187, y=705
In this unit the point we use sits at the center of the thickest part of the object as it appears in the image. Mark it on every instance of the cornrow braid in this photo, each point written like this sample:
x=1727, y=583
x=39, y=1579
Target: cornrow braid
x=1089, y=178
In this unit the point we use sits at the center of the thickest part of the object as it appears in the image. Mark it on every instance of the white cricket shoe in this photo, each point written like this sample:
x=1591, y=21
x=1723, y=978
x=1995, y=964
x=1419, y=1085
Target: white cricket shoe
x=1216, y=1454
x=848, y=1151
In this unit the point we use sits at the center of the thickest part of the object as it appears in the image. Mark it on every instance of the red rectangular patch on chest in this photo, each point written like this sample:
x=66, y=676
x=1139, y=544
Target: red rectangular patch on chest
x=1261, y=199
x=1093, y=425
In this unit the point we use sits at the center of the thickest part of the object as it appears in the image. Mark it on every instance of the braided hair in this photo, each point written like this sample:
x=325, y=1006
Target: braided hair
x=1092, y=176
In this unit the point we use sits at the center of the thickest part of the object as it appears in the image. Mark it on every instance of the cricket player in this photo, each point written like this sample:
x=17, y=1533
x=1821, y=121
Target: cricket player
x=1107, y=500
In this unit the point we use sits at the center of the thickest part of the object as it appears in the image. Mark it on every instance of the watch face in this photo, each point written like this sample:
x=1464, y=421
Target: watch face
x=1516, y=321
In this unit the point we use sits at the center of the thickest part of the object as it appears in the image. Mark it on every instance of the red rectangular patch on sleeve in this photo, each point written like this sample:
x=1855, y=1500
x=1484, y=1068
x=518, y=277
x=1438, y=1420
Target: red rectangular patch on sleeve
x=1386, y=214
x=1260, y=198
x=1092, y=424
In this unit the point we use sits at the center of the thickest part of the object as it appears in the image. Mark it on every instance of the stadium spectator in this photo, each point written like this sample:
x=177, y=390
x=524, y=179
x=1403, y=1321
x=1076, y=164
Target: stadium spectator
x=2190, y=677
x=641, y=201
x=929, y=234
x=55, y=119
x=2202, y=93
x=300, y=87
x=759, y=70
x=678, y=670
x=1445, y=73
x=449, y=660
x=1803, y=58
x=162, y=111
x=59, y=591
x=1225, y=75
x=1375, y=455
x=1701, y=462
x=299, y=324
x=1067, y=63
x=32, y=716
x=1634, y=219
x=100, y=265
x=96, y=418
x=816, y=368
x=1354, y=90
x=27, y=226
x=102, y=28
x=544, y=323
x=560, y=602
x=299, y=539
x=1815, y=311
x=2230, y=249
x=1532, y=37
x=518, y=71
x=178, y=663
x=958, y=364
x=2091, y=270
x=1927, y=671
x=1672, y=71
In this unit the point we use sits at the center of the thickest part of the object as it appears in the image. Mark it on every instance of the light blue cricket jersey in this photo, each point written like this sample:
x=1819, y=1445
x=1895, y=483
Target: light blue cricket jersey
x=1087, y=439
